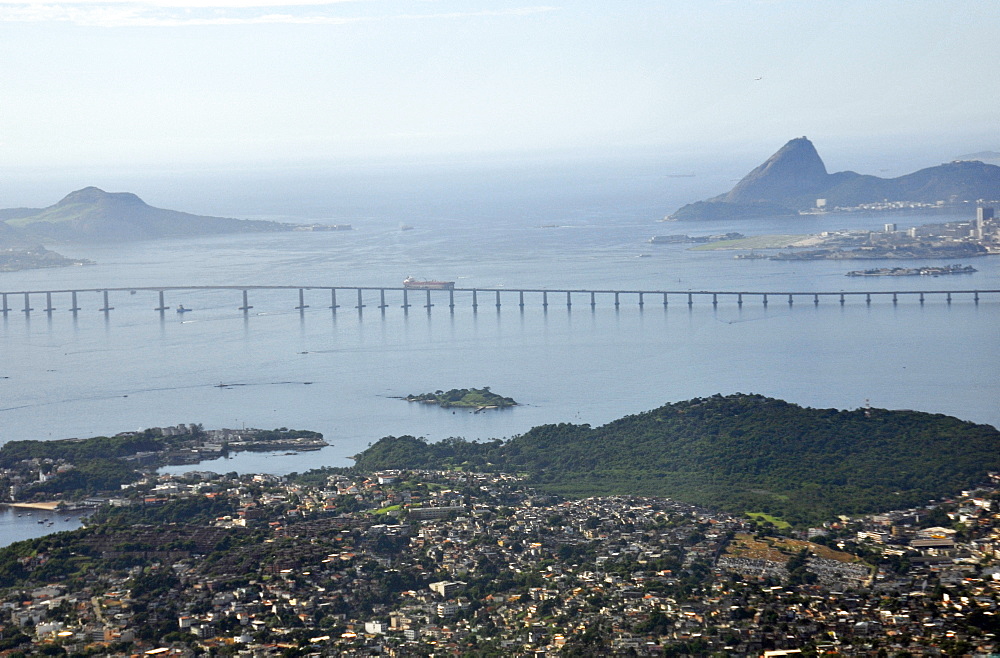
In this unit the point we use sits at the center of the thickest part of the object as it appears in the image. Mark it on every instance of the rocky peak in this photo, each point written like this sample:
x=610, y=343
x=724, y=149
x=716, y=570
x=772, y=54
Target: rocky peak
x=794, y=170
x=93, y=195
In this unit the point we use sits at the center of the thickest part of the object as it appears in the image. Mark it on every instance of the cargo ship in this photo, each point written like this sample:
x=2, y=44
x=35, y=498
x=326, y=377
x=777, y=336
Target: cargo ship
x=413, y=284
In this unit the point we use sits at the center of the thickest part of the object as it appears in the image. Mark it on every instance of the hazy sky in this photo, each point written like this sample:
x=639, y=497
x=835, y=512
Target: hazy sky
x=134, y=83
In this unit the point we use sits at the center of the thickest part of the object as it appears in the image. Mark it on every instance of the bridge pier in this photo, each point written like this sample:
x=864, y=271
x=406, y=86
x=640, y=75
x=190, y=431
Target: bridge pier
x=690, y=300
x=6, y=310
x=246, y=306
x=841, y=299
x=406, y=298
x=816, y=300
x=640, y=300
x=894, y=298
x=593, y=302
x=428, y=304
x=48, y=303
x=381, y=299
x=739, y=299
x=868, y=298
x=27, y=305
x=948, y=298
x=74, y=308
x=451, y=299
x=361, y=303
x=498, y=300
x=302, y=301
x=921, y=298
x=521, y=299
x=475, y=301
x=975, y=296
x=664, y=300
x=569, y=301
x=162, y=307
x=789, y=300
x=616, y=300
x=715, y=299
x=545, y=299
x=107, y=306
x=765, y=299
x=333, y=299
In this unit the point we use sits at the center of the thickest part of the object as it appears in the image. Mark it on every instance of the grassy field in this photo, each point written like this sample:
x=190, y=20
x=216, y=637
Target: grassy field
x=760, y=517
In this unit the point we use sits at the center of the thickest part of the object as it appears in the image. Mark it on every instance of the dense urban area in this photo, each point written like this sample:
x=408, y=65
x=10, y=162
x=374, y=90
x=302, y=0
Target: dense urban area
x=422, y=563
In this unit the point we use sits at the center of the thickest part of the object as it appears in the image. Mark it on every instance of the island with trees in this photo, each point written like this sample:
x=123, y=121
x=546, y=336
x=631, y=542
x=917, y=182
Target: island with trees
x=473, y=398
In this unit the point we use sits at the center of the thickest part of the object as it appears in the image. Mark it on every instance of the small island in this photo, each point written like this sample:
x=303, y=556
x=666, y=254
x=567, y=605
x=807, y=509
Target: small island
x=474, y=398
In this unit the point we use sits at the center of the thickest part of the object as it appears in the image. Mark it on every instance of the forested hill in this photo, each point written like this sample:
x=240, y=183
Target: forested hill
x=737, y=452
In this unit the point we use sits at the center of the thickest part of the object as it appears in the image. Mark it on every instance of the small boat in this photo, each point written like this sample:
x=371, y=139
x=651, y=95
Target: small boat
x=181, y=309
x=414, y=284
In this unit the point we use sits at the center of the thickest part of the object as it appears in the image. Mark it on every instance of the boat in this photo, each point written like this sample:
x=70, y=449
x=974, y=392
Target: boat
x=413, y=284
x=181, y=309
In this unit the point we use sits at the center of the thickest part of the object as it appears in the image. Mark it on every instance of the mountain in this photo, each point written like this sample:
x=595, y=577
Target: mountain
x=737, y=452
x=92, y=215
x=793, y=179
x=980, y=155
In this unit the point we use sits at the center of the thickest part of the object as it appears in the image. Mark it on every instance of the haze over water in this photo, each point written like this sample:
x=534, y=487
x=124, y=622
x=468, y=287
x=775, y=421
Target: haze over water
x=342, y=373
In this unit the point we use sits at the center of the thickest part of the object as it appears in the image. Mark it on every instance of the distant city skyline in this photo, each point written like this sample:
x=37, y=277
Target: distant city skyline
x=271, y=82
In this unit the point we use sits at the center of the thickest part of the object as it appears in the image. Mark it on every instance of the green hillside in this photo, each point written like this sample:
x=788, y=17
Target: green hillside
x=737, y=452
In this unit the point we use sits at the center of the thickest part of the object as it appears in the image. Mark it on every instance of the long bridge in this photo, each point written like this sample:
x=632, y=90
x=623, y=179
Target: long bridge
x=360, y=297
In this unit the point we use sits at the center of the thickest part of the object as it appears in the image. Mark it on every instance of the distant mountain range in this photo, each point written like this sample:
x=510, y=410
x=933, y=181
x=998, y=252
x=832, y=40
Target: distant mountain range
x=793, y=179
x=93, y=215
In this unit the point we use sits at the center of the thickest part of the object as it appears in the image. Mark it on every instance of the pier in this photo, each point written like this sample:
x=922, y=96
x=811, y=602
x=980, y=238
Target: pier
x=382, y=298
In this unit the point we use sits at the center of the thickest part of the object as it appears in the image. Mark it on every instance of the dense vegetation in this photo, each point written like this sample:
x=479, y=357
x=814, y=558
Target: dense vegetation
x=78, y=450
x=738, y=452
x=464, y=397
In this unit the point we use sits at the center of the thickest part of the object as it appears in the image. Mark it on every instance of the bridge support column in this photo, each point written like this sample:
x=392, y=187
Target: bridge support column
x=569, y=301
x=921, y=298
x=74, y=308
x=789, y=300
x=381, y=298
x=616, y=300
x=428, y=304
x=246, y=306
x=948, y=298
x=664, y=300
x=715, y=299
x=765, y=299
x=162, y=307
x=868, y=298
x=406, y=298
x=498, y=300
x=739, y=299
x=521, y=299
x=27, y=304
x=361, y=303
x=6, y=310
x=690, y=299
x=640, y=300
x=593, y=302
x=841, y=299
x=107, y=306
x=895, y=298
x=975, y=296
x=302, y=301
x=333, y=299
x=475, y=300
x=816, y=300
x=48, y=303
x=545, y=299
x=451, y=299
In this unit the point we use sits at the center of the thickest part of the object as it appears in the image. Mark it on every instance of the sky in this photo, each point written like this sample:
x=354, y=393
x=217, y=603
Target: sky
x=179, y=83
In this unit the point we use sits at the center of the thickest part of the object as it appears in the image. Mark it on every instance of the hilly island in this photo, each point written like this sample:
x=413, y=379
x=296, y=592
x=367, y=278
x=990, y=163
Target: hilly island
x=92, y=215
x=793, y=179
x=736, y=453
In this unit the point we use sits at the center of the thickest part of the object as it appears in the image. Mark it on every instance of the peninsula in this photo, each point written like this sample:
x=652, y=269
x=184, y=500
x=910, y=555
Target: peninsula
x=795, y=181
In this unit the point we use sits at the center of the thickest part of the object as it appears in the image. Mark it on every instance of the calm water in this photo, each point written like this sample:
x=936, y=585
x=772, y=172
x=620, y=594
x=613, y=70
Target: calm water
x=342, y=373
